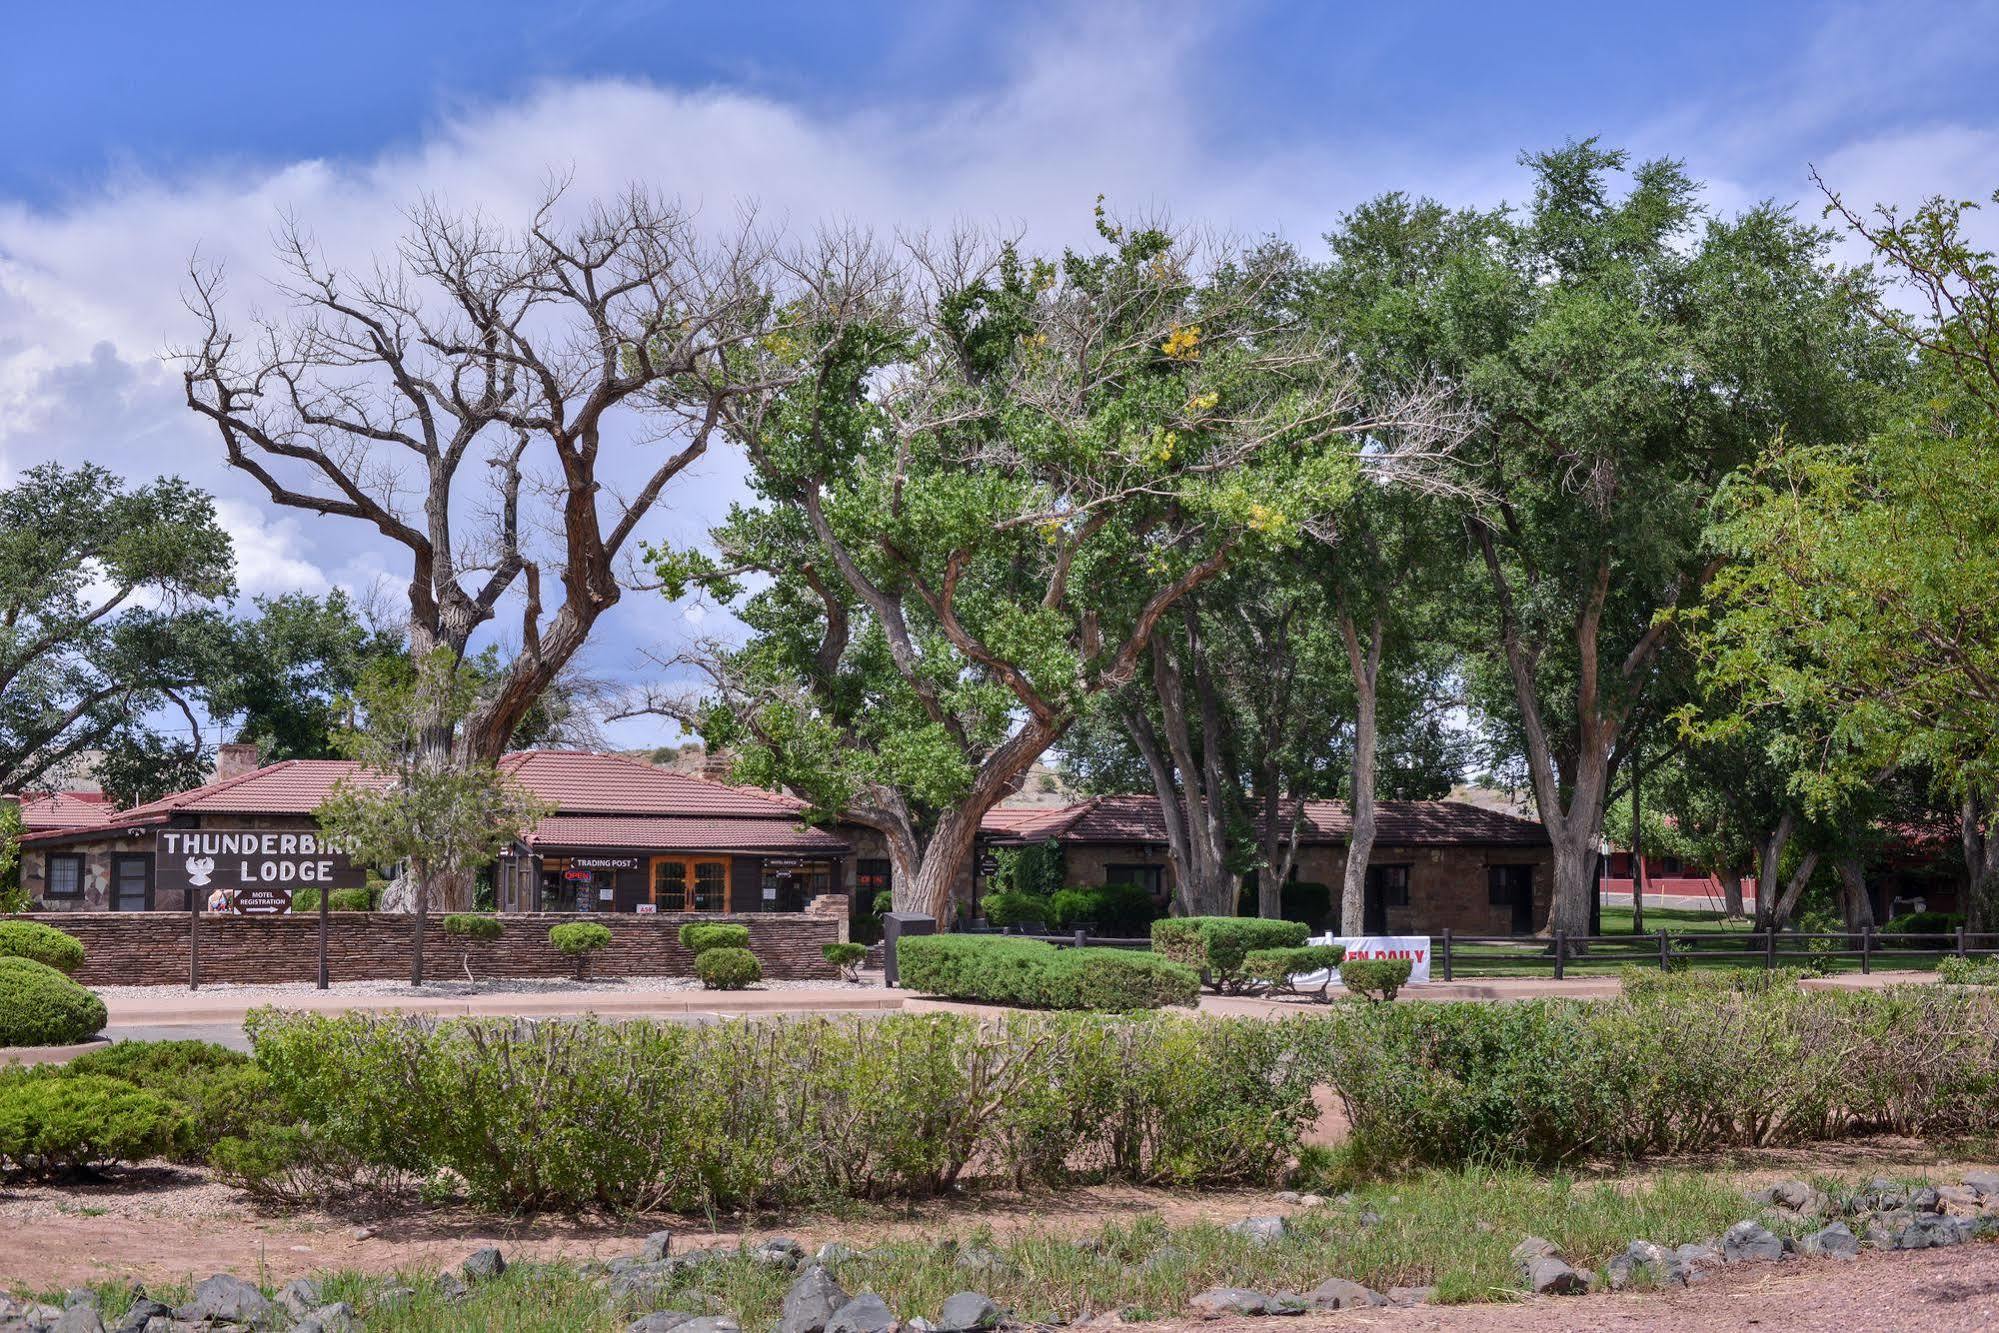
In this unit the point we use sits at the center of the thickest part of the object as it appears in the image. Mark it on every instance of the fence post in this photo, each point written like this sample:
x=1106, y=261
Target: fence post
x=1561, y=953
x=1770, y=949
x=1960, y=941
x=1665, y=953
x=1447, y=953
x=1866, y=950
x=1082, y=937
x=193, y=940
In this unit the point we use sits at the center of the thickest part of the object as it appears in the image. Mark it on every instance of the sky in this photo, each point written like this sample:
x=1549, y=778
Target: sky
x=134, y=136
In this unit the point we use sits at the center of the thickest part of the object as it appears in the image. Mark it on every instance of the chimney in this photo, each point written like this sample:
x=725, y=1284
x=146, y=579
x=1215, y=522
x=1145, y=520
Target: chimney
x=235, y=759
x=715, y=765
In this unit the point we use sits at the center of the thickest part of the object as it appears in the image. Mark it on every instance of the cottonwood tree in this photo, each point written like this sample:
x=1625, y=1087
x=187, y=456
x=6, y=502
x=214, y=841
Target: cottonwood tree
x=439, y=817
x=975, y=518
x=106, y=598
x=1626, y=354
x=506, y=406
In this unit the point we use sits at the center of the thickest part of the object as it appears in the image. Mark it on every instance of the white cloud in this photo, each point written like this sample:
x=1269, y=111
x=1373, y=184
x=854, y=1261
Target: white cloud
x=270, y=552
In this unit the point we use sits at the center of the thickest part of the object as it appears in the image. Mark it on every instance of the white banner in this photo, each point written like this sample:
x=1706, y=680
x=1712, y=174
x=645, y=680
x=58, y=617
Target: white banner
x=1416, y=948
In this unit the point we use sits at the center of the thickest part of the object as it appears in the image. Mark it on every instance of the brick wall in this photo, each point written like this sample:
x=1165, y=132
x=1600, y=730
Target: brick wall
x=150, y=948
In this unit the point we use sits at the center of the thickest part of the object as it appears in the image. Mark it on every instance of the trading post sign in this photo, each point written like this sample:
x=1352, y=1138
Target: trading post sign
x=204, y=860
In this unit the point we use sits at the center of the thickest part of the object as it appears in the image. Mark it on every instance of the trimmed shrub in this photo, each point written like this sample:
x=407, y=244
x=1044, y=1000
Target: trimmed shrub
x=847, y=956
x=1922, y=923
x=1644, y=983
x=39, y=1006
x=1276, y=967
x=1215, y=946
x=1070, y=908
x=1118, y=910
x=1955, y=971
x=642, y=1116
x=1017, y=909
x=726, y=968
x=580, y=939
x=474, y=925
x=221, y=1091
x=697, y=937
x=51, y=1125
x=45, y=944
x=1036, y=975
x=1377, y=979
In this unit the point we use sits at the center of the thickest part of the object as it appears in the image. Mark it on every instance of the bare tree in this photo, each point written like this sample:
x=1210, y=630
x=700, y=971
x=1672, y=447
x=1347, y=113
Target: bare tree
x=479, y=399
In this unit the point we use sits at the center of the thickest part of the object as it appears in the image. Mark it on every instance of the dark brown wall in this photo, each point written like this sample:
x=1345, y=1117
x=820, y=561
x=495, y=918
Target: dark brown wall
x=150, y=948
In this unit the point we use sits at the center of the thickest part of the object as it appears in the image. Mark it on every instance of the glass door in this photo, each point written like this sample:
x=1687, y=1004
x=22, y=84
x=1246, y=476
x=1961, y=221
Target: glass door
x=131, y=882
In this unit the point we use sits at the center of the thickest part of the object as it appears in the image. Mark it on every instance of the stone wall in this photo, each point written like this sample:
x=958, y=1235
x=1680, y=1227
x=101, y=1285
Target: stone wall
x=150, y=948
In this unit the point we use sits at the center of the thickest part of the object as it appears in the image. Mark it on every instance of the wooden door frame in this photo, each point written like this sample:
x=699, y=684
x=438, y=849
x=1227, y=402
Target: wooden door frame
x=689, y=860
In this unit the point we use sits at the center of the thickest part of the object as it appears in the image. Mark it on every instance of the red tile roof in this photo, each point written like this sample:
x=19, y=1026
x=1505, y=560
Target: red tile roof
x=1128, y=819
x=683, y=835
x=574, y=781
x=64, y=810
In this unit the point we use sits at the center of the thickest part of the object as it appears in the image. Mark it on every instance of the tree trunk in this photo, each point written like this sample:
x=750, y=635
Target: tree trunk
x=1190, y=800
x=421, y=916
x=941, y=864
x=1366, y=667
x=1637, y=849
x=1856, y=909
x=1981, y=867
x=1731, y=892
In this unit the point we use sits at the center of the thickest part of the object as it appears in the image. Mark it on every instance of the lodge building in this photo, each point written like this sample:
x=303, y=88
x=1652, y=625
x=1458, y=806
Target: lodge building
x=628, y=836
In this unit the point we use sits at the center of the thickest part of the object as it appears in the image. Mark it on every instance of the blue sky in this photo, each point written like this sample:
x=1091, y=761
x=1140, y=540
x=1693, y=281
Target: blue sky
x=133, y=134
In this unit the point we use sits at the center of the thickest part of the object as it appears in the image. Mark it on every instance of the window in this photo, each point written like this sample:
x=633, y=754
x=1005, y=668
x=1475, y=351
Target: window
x=1145, y=877
x=669, y=885
x=1671, y=866
x=871, y=880
x=1390, y=884
x=65, y=875
x=711, y=886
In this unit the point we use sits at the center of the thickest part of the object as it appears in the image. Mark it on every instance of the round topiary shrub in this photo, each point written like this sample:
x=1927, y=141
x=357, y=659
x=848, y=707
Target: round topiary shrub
x=580, y=939
x=697, y=937
x=476, y=925
x=846, y=956
x=45, y=944
x=52, y=1124
x=727, y=969
x=39, y=1006
x=1377, y=979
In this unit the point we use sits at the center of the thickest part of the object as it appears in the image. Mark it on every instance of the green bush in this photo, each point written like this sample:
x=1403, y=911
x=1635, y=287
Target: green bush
x=846, y=956
x=45, y=944
x=474, y=925
x=1120, y=911
x=1017, y=909
x=365, y=899
x=1923, y=923
x=1956, y=971
x=39, y=1006
x=580, y=939
x=725, y=968
x=221, y=1091
x=641, y=1116
x=1215, y=946
x=52, y=1125
x=1375, y=978
x=993, y=969
x=296, y=1165
x=1276, y=967
x=698, y=937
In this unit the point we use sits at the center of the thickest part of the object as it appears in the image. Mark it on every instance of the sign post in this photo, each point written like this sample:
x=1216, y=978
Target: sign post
x=249, y=872
x=325, y=916
x=193, y=940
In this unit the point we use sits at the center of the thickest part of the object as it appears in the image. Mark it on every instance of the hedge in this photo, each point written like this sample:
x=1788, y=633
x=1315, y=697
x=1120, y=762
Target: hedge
x=994, y=969
x=340, y=900
x=1215, y=946
x=727, y=969
x=1117, y=910
x=39, y=1006
x=1010, y=908
x=697, y=937
x=645, y=1116
x=52, y=1125
x=45, y=944
x=1276, y=967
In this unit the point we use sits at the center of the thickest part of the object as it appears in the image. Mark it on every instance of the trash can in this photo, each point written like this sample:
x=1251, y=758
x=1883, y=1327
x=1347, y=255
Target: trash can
x=895, y=925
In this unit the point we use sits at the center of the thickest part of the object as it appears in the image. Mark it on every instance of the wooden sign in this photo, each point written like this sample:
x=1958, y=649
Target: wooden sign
x=203, y=860
x=261, y=902
x=605, y=862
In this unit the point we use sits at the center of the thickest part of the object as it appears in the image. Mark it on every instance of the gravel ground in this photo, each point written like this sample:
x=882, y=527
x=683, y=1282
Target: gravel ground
x=445, y=989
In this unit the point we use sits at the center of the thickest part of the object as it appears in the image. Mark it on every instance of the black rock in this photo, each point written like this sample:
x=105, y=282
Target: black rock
x=811, y=1302
x=483, y=1265
x=966, y=1312
x=866, y=1313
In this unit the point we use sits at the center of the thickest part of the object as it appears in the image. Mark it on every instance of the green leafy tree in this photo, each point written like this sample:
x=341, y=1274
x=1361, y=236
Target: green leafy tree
x=283, y=677
x=1862, y=574
x=105, y=596
x=973, y=520
x=1626, y=353
x=12, y=899
x=412, y=804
